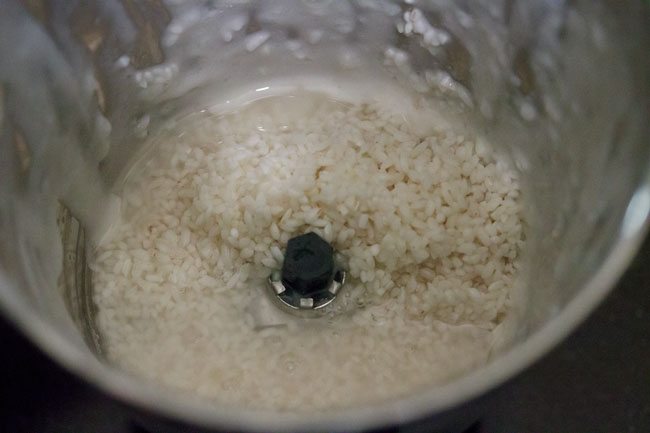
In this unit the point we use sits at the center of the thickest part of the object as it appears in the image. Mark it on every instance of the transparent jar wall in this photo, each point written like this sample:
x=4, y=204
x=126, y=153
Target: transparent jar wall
x=561, y=88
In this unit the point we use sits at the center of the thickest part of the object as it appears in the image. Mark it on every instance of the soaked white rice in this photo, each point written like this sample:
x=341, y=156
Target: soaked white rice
x=430, y=225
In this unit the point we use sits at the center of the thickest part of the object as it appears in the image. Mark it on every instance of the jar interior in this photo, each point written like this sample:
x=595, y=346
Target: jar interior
x=558, y=88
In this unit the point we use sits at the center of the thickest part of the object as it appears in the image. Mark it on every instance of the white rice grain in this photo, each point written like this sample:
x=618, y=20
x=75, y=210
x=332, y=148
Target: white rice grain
x=429, y=226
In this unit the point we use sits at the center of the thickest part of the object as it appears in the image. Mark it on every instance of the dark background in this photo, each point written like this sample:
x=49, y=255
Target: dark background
x=598, y=380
